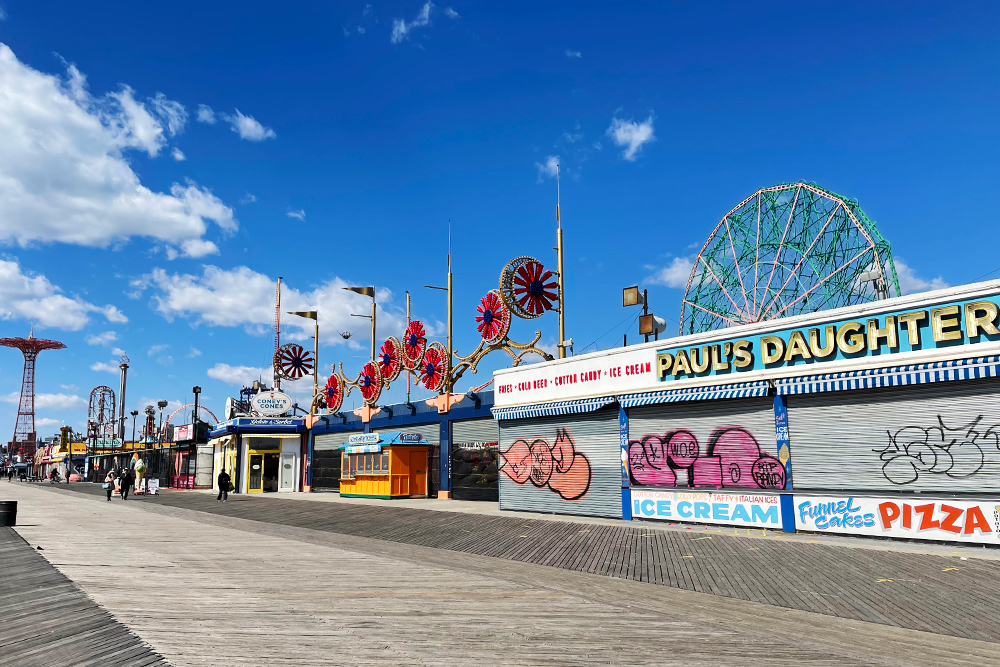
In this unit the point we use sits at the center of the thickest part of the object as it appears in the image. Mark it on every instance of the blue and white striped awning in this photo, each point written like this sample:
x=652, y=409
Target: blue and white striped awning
x=893, y=376
x=738, y=390
x=557, y=408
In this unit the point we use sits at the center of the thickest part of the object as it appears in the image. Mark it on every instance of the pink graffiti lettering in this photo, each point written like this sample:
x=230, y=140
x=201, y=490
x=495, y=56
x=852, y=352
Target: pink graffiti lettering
x=733, y=458
x=561, y=468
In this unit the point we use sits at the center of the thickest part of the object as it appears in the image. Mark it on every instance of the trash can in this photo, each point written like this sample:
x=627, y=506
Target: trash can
x=8, y=512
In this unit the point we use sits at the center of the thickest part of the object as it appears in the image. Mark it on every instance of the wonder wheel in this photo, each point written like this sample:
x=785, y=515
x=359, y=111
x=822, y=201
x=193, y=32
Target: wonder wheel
x=292, y=361
x=786, y=250
x=527, y=288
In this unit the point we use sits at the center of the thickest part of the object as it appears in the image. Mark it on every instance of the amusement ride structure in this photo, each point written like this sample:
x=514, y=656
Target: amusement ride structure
x=785, y=250
x=526, y=290
x=23, y=442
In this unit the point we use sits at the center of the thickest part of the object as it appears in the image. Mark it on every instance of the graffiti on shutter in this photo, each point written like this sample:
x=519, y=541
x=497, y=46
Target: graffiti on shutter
x=557, y=466
x=732, y=458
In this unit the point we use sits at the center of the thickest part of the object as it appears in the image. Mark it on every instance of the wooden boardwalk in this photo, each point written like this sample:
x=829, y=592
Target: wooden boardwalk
x=933, y=593
x=46, y=620
x=215, y=589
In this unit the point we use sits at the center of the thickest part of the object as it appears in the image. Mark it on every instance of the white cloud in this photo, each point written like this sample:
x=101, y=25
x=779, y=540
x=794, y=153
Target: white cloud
x=248, y=128
x=248, y=199
x=451, y=13
x=300, y=214
x=156, y=349
x=105, y=338
x=47, y=422
x=49, y=401
x=170, y=112
x=675, y=274
x=548, y=169
x=117, y=351
x=34, y=298
x=178, y=154
x=570, y=53
x=205, y=114
x=241, y=376
x=65, y=176
x=243, y=297
x=195, y=352
x=631, y=135
x=401, y=29
x=911, y=283
x=3, y=15
x=102, y=367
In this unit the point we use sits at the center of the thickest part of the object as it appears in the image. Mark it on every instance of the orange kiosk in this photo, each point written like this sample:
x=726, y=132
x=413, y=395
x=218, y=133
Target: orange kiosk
x=384, y=465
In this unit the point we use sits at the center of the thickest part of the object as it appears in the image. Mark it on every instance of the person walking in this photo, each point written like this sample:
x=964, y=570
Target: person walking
x=127, y=480
x=223, y=485
x=109, y=483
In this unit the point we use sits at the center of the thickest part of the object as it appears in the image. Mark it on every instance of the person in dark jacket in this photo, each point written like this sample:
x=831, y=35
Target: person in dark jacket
x=127, y=480
x=223, y=480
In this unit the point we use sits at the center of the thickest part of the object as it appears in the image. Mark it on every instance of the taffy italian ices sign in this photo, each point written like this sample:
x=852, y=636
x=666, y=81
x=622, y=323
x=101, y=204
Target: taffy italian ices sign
x=948, y=324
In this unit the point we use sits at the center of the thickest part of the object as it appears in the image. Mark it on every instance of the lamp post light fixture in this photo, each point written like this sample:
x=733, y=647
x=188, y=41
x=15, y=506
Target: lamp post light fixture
x=366, y=291
x=314, y=316
x=648, y=323
x=194, y=420
x=134, y=413
x=161, y=404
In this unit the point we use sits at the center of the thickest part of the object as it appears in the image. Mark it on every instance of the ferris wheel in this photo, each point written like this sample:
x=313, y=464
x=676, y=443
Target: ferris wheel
x=786, y=250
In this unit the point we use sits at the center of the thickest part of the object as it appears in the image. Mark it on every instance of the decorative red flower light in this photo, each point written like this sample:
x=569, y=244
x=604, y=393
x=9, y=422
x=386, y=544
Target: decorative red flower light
x=370, y=382
x=414, y=344
x=334, y=393
x=389, y=359
x=535, y=288
x=493, y=320
x=293, y=361
x=434, y=367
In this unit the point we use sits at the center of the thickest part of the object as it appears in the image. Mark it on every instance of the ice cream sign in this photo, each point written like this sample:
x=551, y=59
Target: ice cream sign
x=271, y=403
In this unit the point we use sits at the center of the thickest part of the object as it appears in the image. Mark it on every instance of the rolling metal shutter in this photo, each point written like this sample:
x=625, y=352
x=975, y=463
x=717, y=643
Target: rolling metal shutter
x=432, y=434
x=728, y=444
x=475, y=448
x=327, y=458
x=941, y=437
x=564, y=464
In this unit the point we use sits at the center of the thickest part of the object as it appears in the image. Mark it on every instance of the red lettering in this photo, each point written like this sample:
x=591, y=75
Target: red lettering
x=926, y=513
x=949, y=522
x=906, y=517
x=889, y=512
x=974, y=519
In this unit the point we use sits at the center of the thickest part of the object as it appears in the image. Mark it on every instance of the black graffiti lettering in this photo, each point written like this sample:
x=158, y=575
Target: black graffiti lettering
x=936, y=450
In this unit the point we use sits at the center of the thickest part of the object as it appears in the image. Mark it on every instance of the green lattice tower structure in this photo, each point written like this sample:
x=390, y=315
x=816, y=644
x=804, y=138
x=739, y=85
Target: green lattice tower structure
x=786, y=250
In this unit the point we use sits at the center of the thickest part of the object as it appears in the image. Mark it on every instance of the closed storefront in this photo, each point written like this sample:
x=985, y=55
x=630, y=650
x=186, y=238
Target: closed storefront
x=432, y=434
x=705, y=444
x=934, y=437
x=564, y=464
x=327, y=458
x=475, y=449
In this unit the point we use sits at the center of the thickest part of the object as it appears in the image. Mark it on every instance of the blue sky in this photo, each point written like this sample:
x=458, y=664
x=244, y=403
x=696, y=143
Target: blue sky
x=331, y=145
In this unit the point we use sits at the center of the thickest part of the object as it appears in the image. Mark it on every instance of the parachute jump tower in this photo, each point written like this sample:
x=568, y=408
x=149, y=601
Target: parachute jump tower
x=24, y=439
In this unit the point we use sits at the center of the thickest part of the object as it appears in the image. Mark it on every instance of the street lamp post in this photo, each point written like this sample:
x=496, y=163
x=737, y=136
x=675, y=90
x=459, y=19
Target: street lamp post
x=134, y=413
x=367, y=291
x=194, y=419
x=314, y=316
